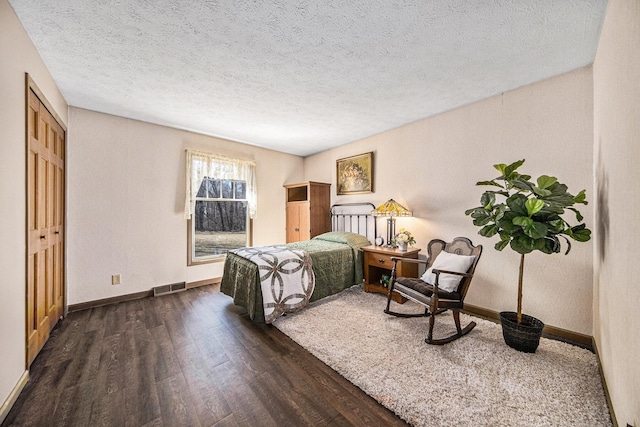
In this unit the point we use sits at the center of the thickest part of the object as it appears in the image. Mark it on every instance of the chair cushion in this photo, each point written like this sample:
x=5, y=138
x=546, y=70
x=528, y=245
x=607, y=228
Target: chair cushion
x=417, y=286
x=451, y=262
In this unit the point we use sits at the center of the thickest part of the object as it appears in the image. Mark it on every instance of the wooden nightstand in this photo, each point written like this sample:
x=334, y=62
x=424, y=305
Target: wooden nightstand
x=377, y=262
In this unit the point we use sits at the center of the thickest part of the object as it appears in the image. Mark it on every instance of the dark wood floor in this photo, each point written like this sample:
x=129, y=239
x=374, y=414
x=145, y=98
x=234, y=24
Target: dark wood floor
x=187, y=359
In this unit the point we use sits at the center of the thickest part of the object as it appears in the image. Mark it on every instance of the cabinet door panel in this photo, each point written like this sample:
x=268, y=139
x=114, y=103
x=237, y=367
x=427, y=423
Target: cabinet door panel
x=303, y=222
x=293, y=223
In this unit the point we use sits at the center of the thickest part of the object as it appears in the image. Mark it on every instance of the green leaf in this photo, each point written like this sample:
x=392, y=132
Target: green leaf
x=556, y=225
x=501, y=244
x=522, y=184
x=523, y=244
x=478, y=212
x=508, y=170
x=482, y=221
x=559, y=200
x=536, y=230
x=522, y=221
x=490, y=183
x=551, y=245
x=500, y=167
x=578, y=214
x=581, y=197
x=516, y=204
x=541, y=192
x=506, y=223
x=489, y=230
x=551, y=209
x=568, y=245
x=539, y=244
x=487, y=199
x=546, y=181
x=533, y=205
x=482, y=216
x=557, y=189
x=499, y=211
x=581, y=235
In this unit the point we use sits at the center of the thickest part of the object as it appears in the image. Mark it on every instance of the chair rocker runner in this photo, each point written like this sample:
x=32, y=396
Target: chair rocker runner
x=450, y=267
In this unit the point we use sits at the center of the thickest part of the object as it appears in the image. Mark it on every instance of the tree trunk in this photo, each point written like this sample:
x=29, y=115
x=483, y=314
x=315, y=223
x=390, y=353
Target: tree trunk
x=520, y=288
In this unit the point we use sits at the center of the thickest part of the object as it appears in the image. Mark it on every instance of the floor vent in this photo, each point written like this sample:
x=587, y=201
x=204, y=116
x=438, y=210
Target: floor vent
x=169, y=289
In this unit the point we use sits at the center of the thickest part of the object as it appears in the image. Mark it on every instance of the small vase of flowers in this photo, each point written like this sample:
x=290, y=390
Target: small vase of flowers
x=403, y=239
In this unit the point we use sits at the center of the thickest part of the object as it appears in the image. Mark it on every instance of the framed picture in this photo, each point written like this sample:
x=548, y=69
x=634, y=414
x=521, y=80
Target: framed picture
x=355, y=174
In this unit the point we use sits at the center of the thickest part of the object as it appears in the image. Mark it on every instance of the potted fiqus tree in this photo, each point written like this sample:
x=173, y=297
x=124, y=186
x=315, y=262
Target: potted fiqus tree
x=527, y=216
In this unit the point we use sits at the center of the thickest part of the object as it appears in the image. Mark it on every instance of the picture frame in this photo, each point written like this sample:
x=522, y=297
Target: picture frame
x=354, y=175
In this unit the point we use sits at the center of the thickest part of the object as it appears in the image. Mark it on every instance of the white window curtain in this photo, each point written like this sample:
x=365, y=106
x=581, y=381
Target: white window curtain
x=201, y=165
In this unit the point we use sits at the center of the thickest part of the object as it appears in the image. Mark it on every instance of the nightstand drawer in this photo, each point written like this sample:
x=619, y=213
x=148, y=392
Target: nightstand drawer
x=379, y=260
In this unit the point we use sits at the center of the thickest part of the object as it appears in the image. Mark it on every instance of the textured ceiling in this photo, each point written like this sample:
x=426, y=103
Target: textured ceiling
x=302, y=76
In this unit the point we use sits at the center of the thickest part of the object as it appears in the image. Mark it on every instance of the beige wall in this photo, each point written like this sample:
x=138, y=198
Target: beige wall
x=616, y=75
x=17, y=57
x=431, y=167
x=125, y=201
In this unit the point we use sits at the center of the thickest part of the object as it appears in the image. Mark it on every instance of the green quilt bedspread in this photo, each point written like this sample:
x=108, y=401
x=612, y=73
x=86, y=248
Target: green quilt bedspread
x=337, y=265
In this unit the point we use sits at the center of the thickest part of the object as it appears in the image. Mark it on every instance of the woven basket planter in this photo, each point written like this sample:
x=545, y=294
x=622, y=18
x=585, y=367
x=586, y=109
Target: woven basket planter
x=523, y=337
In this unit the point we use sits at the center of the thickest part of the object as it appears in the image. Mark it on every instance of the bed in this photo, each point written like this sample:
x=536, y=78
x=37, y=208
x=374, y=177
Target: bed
x=336, y=256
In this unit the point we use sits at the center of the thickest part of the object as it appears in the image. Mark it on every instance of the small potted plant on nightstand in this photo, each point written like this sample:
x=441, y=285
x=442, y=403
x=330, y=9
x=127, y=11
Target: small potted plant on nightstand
x=527, y=217
x=402, y=239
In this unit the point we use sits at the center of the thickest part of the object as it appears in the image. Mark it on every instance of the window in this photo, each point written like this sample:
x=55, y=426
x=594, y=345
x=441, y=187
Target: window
x=220, y=217
x=220, y=204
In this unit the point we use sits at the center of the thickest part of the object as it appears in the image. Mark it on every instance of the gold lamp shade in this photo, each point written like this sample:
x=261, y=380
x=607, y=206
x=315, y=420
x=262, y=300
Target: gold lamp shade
x=392, y=209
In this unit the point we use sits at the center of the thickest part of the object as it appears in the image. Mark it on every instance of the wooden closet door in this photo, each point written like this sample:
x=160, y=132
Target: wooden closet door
x=56, y=238
x=45, y=220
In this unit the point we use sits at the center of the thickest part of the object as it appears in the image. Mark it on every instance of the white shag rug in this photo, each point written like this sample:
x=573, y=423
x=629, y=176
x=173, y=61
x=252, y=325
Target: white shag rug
x=475, y=381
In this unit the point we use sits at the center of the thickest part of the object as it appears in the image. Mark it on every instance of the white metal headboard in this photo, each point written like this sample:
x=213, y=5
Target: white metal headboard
x=354, y=218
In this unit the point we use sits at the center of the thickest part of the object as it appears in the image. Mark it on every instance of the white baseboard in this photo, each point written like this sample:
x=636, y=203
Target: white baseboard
x=13, y=396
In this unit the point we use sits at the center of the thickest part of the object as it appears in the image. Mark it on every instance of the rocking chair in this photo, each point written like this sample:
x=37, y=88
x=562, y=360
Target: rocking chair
x=450, y=268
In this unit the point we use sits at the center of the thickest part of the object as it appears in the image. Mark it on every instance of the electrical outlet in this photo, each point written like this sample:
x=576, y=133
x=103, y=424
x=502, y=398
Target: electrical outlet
x=116, y=279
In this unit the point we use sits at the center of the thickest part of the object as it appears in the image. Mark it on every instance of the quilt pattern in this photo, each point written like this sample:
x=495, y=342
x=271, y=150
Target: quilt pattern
x=286, y=278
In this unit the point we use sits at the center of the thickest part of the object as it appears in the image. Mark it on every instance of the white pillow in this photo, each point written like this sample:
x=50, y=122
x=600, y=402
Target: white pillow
x=451, y=262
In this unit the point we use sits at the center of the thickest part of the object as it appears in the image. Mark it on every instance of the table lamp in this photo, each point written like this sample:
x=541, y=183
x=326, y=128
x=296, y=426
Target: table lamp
x=392, y=209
